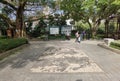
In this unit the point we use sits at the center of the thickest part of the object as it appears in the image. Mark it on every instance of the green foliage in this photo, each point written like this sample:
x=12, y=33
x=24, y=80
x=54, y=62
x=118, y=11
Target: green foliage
x=7, y=44
x=101, y=29
x=72, y=8
x=59, y=37
x=57, y=20
x=111, y=28
x=29, y=28
x=93, y=10
x=51, y=20
x=38, y=30
x=115, y=45
x=80, y=25
x=3, y=24
x=7, y=10
x=73, y=33
x=99, y=36
x=3, y=37
x=116, y=2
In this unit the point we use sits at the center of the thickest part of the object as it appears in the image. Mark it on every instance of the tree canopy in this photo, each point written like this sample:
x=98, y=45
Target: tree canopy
x=18, y=8
x=91, y=11
x=16, y=12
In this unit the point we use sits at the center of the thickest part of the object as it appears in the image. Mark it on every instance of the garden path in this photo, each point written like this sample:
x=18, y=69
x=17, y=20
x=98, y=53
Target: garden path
x=61, y=61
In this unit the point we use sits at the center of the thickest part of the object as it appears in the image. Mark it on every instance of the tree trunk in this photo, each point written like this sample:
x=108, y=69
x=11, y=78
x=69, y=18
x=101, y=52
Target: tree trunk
x=94, y=30
x=90, y=28
x=9, y=33
x=118, y=26
x=94, y=27
x=106, y=27
x=20, y=20
x=0, y=32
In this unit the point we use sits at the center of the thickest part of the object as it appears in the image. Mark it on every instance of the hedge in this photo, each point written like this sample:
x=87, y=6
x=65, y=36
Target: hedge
x=115, y=45
x=3, y=37
x=7, y=44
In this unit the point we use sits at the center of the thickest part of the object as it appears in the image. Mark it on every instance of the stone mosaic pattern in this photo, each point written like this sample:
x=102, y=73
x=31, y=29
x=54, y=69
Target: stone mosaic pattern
x=64, y=60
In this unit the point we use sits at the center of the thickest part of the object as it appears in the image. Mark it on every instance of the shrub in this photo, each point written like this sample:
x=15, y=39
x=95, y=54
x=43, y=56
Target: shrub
x=115, y=45
x=101, y=28
x=58, y=37
x=7, y=44
x=100, y=31
x=99, y=36
x=73, y=33
x=3, y=37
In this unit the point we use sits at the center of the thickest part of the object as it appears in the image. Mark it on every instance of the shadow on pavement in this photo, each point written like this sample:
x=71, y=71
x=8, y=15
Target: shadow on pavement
x=25, y=56
x=79, y=80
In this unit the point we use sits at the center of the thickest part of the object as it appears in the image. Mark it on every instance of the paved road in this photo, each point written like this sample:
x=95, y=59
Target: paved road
x=61, y=61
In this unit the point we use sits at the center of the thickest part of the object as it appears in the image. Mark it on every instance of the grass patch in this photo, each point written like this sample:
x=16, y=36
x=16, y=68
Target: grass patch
x=115, y=44
x=7, y=44
x=54, y=37
x=3, y=37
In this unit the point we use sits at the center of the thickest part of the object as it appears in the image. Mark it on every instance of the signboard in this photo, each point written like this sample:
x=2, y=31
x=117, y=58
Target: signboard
x=54, y=30
x=65, y=29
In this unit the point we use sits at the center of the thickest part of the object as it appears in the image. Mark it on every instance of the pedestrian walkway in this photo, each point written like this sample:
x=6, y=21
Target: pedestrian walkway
x=61, y=61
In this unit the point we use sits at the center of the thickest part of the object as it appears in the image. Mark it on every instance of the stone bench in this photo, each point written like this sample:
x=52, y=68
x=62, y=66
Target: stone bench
x=107, y=41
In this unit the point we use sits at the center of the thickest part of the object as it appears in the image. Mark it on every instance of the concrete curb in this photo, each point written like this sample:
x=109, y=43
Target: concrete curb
x=10, y=52
x=109, y=48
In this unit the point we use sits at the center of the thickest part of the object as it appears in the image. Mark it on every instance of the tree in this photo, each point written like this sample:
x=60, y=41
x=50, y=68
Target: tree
x=91, y=11
x=117, y=4
x=38, y=30
x=110, y=9
x=3, y=27
x=93, y=14
x=19, y=7
x=86, y=10
x=72, y=8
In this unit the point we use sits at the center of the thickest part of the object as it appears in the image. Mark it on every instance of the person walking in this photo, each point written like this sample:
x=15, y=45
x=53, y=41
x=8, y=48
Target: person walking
x=67, y=35
x=79, y=38
x=83, y=35
x=76, y=35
